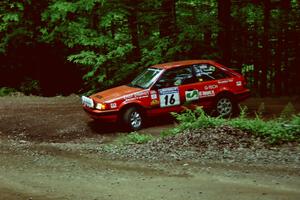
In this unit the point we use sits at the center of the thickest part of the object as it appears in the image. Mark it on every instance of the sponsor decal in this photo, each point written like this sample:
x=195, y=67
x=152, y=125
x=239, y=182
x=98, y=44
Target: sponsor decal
x=138, y=95
x=169, y=97
x=178, y=82
x=154, y=102
x=210, y=87
x=192, y=95
x=153, y=95
x=239, y=83
x=209, y=93
x=141, y=94
x=113, y=105
x=211, y=69
x=129, y=96
x=225, y=81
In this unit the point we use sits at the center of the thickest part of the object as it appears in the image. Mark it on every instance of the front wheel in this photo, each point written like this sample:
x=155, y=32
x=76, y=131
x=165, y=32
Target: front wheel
x=133, y=119
x=225, y=106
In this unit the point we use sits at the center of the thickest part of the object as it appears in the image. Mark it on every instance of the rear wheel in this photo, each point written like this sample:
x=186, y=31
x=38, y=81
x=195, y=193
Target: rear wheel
x=225, y=106
x=133, y=119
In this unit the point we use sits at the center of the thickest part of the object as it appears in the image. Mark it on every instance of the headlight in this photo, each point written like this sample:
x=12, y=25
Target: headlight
x=100, y=106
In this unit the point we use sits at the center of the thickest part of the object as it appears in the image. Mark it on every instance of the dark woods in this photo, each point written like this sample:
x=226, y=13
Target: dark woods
x=65, y=46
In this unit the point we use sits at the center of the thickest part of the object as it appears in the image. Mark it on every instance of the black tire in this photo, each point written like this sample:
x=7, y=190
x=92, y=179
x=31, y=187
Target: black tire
x=225, y=106
x=133, y=119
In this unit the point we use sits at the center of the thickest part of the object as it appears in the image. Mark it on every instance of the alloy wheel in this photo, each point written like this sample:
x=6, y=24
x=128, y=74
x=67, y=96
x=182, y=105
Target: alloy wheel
x=224, y=106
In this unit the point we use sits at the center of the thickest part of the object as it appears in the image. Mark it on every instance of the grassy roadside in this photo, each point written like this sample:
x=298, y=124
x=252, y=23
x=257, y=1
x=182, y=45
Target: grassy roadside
x=5, y=91
x=285, y=128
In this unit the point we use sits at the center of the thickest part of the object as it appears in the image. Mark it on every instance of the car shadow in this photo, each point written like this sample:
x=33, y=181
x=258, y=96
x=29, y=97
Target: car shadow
x=159, y=121
x=101, y=128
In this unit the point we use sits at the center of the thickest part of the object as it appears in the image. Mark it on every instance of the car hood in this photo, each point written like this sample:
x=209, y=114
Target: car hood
x=115, y=93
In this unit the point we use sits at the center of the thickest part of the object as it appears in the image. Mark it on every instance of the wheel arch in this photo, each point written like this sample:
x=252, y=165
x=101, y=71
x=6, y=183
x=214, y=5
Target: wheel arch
x=129, y=105
x=226, y=93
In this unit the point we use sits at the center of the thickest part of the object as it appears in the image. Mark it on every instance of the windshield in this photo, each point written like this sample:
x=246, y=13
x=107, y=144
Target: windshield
x=146, y=79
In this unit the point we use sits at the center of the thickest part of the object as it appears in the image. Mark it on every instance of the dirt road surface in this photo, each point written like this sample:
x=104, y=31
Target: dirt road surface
x=48, y=151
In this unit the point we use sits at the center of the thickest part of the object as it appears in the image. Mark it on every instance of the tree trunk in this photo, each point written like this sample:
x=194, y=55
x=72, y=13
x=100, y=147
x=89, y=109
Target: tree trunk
x=266, y=46
x=286, y=6
x=224, y=37
x=133, y=28
x=278, y=63
x=255, y=58
x=167, y=26
x=282, y=50
x=207, y=39
x=294, y=68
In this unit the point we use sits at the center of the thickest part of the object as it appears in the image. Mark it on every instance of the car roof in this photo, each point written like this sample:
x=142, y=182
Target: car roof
x=176, y=64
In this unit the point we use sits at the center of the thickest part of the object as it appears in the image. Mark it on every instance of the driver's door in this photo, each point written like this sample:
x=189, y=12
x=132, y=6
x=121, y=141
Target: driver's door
x=171, y=90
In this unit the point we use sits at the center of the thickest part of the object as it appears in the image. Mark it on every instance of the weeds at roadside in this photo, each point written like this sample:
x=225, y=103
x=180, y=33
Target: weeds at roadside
x=136, y=138
x=285, y=128
x=30, y=87
x=275, y=131
x=288, y=112
x=5, y=91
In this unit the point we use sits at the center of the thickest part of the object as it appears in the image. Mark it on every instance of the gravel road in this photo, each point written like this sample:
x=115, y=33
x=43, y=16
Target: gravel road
x=49, y=149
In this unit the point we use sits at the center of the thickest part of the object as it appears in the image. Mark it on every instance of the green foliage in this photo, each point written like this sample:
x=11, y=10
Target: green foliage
x=287, y=112
x=98, y=35
x=193, y=120
x=246, y=68
x=243, y=112
x=295, y=120
x=5, y=91
x=261, y=109
x=61, y=9
x=86, y=58
x=274, y=131
x=30, y=86
x=101, y=38
x=11, y=17
x=153, y=55
x=137, y=138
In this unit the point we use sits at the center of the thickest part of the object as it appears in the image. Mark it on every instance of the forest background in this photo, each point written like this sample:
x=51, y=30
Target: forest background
x=59, y=47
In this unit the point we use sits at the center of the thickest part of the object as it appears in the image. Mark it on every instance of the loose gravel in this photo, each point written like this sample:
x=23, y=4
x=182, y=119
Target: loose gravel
x=223, y=144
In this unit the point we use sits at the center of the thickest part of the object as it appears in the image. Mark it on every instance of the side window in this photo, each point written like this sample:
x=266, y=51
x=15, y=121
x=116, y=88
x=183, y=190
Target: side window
x=177, y=77
x=206, y=72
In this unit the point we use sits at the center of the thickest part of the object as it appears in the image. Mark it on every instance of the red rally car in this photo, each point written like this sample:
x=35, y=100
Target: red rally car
x=169, y=87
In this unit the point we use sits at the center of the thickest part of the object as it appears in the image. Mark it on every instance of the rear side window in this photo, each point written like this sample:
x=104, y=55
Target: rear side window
x=206, y=72
x=177, y=77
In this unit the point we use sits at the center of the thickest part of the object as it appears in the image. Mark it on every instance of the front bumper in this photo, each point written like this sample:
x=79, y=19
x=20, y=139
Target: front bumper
x=105, y=116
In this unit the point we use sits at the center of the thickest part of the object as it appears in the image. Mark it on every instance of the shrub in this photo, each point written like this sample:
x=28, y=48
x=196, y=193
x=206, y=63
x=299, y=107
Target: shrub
x=193, y=120
x=275, y=131
x=5, y=91
x=138, y=138
x=288, y=112
x=261, y=109
x=30, y=86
